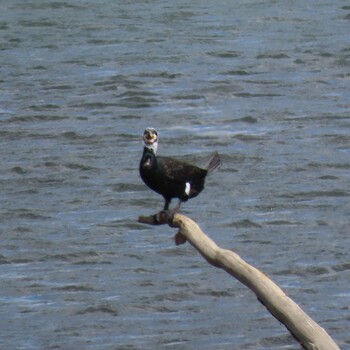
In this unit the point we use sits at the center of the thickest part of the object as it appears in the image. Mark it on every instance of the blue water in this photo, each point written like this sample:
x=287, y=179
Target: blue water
x=266, y=84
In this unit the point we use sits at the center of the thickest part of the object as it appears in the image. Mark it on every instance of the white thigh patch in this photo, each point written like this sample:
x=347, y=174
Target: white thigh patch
x=188, y=188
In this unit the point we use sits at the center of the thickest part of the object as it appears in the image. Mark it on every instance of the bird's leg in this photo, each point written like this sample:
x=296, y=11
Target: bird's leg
x=179, y=237
x=160, y=216
x=177, y=208
x=171, y=212
x=166, y=205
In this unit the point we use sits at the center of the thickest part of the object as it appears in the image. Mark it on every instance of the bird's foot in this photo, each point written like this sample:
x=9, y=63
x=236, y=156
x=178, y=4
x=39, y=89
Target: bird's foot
x=166, y=217
x=161, y=218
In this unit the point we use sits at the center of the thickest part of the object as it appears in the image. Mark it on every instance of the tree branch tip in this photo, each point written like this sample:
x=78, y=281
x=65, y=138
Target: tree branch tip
x=179, y=238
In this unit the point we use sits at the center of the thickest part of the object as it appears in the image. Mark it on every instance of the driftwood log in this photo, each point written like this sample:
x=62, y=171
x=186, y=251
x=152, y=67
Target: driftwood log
x=303, y=328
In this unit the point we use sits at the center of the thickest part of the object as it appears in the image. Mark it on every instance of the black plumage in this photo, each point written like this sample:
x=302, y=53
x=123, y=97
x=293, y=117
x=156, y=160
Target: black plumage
x=170, y=177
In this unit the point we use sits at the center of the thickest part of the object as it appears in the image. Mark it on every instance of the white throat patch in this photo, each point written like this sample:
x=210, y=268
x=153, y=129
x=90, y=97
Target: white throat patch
x=153, y=146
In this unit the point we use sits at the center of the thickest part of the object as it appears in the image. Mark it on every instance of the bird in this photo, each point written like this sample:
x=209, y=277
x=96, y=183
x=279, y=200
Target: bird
x=172, y=178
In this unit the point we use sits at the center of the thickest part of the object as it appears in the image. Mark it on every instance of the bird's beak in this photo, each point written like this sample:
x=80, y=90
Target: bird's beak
x=150, y=137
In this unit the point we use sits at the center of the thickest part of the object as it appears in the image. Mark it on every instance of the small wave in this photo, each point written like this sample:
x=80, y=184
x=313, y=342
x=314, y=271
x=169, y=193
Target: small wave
x=103, y=308
x=78, y=166
x=19, y=170
x=40, y=24
x=46, y=5
x=39, y=118
x=237, y=72
x=248, y=119
x=272, y=55
x=250, y=95
x=283, y=223
x=225, y=54
x=75, y=288
x=342, y=267
x=243, y=223
x=23, y=214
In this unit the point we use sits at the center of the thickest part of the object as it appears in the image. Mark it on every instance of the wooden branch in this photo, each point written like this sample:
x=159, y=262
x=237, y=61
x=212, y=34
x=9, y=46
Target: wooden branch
x=303, y=328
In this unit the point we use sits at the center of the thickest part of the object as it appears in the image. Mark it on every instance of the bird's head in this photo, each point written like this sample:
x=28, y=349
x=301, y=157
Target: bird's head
x=150, y=139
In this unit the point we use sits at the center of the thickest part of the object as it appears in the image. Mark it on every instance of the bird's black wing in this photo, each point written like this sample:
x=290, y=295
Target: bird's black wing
x=179, y=171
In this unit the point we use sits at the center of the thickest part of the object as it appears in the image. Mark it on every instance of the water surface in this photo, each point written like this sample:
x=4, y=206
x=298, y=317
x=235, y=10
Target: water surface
x=266, y=84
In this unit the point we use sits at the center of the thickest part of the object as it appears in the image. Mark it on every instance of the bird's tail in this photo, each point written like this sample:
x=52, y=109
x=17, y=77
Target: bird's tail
x=213, y=162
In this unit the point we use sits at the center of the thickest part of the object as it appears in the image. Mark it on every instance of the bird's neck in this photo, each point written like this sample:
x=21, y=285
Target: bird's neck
x=153, y=148
x=149, y=159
